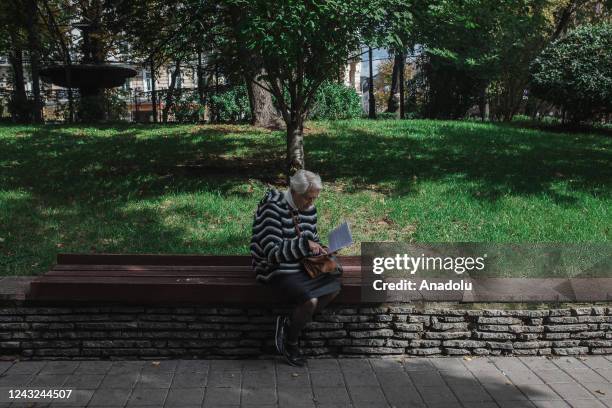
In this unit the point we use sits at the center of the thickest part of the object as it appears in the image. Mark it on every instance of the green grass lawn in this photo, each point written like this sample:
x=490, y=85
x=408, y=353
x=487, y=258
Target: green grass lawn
x=193, y=189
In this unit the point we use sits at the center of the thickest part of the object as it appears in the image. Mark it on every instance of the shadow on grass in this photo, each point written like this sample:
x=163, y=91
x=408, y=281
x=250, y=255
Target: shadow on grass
x=59, y=163
x=488, y=161
x=63, y=183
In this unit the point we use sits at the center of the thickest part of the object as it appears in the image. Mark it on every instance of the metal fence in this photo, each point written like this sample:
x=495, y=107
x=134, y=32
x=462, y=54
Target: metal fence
x=126, y=104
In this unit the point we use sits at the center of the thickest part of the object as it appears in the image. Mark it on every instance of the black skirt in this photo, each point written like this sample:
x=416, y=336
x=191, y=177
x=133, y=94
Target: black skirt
x=298, y=287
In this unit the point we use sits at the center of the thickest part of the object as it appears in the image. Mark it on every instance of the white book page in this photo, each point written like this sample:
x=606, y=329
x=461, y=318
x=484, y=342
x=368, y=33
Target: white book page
x=340, y=237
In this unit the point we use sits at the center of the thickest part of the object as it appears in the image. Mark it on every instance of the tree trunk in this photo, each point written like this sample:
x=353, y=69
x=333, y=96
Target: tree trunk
x=564, y=20
x=484, y=105
x=170, y=95
x=19, y=101
x=200, y=79
x=216, y=118
x=263, y=111
x=34, y=45
x=295, y=145
x=392, y=103
x=401, y=85
x=153, y=91
x=371, y=99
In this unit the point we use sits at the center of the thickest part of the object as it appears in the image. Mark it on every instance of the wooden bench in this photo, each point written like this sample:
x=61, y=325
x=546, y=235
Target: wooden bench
x=164, y=279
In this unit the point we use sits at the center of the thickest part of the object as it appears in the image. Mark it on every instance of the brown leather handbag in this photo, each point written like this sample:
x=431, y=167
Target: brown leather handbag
x=316, y=265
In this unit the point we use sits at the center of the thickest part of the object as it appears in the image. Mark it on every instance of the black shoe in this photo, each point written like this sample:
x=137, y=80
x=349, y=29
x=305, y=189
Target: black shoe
x=293, y=355
x=279, y=333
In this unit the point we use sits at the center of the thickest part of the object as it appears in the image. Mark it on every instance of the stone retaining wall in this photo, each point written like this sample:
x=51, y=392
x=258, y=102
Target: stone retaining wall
x=93, y=332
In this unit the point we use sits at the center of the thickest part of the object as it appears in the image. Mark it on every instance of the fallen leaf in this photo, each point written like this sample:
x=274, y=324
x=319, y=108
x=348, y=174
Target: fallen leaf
x=388, y=220
x=467, y=358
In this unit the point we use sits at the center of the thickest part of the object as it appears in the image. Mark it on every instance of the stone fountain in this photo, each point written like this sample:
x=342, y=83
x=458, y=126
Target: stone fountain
x=92, y=75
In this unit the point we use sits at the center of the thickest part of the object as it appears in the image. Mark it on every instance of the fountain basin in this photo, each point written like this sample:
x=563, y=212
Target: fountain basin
x=88, y=76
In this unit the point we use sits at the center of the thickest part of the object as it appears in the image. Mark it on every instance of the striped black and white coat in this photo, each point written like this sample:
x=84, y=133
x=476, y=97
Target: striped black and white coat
x=275, y=246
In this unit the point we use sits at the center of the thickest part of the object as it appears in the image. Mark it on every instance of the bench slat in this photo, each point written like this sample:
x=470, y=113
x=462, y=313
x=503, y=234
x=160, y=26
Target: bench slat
x=162, y=293
x=166, y=278
x=129, y=268
x=228, y=272
x=167, y=259
x=159, y=279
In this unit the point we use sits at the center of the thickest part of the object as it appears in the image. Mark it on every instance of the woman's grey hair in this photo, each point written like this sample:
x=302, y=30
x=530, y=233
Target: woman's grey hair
x=302, y=180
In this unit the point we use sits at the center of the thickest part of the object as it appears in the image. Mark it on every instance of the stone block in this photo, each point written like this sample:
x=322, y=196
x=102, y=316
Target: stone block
x=449, y=326
x=425, y=343
x=498, y=320
x=588, y=335
x=424, y=351
x=596, y=343
x=448, y=335
x=325, y=334
x=401, y=310
x=373, y=310
x=371, y=333
x=372, y=350
x=556, y=336
x=530, y=344
x=397, y=343
x=464, y=343
x=500, y=345
x=494, y=327
x=566, y=328
x=566, y=343
x=456, y=352
x=408, y=327
x=363, y=326
x=406, y=335
x=581, y=311
x=562, y=319
x=495, y=336
x=570, y=351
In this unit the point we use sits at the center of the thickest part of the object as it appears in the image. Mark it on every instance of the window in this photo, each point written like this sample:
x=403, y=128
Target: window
x=179, y=78
x=146, y=81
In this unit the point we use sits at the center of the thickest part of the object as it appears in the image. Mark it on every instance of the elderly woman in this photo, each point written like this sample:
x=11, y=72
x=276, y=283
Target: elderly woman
x=276, y=251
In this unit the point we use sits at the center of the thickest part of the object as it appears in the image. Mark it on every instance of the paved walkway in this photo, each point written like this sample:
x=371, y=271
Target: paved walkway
x=411, y=382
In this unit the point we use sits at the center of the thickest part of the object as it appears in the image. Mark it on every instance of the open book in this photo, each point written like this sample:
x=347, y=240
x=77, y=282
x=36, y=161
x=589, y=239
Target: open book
x=339, y=238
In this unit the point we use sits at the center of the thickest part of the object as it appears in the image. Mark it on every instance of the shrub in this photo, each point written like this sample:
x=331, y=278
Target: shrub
x=116, y=104
x=110, y=105
x=232, y=105
x=387, y=115
x=187, y=108
x=575, y=72
x=335, y=101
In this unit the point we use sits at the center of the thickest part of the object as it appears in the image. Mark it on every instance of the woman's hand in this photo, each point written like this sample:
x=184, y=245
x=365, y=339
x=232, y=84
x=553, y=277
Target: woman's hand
x=316, y=248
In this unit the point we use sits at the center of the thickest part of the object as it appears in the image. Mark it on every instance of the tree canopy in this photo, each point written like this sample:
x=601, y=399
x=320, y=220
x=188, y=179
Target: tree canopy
x=575, y=72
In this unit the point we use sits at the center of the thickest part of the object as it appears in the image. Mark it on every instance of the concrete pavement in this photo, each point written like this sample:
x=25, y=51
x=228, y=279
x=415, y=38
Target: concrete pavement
x=469, y=382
